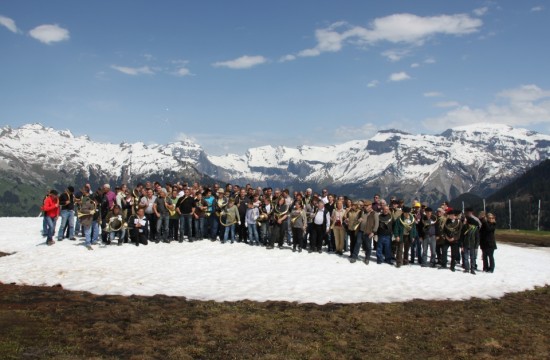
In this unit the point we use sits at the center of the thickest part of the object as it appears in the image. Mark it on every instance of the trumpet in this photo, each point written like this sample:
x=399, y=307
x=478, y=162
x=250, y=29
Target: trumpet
x=220, y=205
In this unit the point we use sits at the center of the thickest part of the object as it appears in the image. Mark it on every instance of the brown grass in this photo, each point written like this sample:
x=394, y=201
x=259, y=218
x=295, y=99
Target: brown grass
x=40, y=322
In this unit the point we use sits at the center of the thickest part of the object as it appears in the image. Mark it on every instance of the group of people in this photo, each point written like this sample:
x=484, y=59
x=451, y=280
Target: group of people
x=396, y=233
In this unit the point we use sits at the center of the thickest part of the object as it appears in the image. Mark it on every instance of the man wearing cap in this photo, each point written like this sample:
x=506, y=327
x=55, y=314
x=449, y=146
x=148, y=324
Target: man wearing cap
x=427, y=230
x=451, y=233
x=385, y=232
x=416, y=242
x=66, y=204
x=368, y=227
x=403, y=230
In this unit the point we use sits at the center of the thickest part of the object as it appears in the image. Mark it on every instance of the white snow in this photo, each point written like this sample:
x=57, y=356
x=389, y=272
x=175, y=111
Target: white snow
x=211, y=271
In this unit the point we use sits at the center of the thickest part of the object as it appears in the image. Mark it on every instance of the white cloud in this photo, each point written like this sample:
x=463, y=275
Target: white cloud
x=49, y=33
x=183, y=71
x=481, y=11
x=429, y=61
x=415, y=65
x=244, y=62
x=144, y=70
x=287, y=58
x=353, y=133
x=184, y=137
x=400, y=76
x=432, y=94
x=537, y=8
x=447, y=104
x=396, y=28
x=394, y=55
x=9, y=24
x=522, y=106
x=373, y=84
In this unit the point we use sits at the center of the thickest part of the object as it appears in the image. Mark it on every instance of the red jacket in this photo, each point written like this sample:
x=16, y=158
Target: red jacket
x=51, y=206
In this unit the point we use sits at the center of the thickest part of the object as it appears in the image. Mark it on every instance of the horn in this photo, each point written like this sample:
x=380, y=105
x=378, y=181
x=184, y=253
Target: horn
x=87, y=212
x=115, y=224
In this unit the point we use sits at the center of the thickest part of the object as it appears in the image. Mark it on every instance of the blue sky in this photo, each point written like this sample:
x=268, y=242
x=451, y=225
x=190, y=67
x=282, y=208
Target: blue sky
x=237, y=74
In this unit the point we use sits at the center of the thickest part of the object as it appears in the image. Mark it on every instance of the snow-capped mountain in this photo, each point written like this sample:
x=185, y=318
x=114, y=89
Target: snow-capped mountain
x=36, y=154
x=478, y=158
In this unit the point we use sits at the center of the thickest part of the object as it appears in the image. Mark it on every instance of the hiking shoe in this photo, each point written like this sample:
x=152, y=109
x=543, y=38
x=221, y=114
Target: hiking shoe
x=89, y=247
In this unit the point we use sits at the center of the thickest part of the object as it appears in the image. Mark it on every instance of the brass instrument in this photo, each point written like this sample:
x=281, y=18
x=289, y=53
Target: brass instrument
x=293, y=219
x=87, y=212
x=279, y=214
x=115, y=224
x=262, y=218
x=170, y=211
x=220, y=205
x=136, y=196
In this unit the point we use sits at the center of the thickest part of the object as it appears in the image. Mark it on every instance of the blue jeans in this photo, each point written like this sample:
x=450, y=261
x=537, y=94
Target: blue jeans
x=50, y=227
x=416, y=249
x=120, y=235
x=162, y=227
x=66, y=216
x=200, y=228
x=364, y=240
x=229, y=229
x=428, y=242
x=265, y=231
x=253, y=233
x=44, y=225
x=91, y=233
x=470, y=258
x=186, y=226
x=383, y=249
x=214, y=225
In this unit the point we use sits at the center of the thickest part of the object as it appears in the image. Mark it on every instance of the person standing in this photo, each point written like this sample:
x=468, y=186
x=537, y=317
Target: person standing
x=186, y=208
x=385, y=232
x=146, y=203
x=368, y=227
x=298, y=222
x=278, y=217
x=427, y=234
x=451, y=233
x=173, y=222
x=51, y=213
x=404, y=229
x=232, y=218
x=320, y=227
x=488, y=243
x=337, y=221
x=199, y=216
x=252, y=214
x=163, y=216
x=66, y=203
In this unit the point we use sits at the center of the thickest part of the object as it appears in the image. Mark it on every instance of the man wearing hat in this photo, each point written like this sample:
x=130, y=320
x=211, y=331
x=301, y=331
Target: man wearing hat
x=404, y=229
x=451, y=233
x=219, y=205
x=367, y=229
x=66, y=205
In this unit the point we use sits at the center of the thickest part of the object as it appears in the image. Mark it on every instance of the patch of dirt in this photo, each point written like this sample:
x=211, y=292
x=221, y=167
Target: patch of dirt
x=49, y=322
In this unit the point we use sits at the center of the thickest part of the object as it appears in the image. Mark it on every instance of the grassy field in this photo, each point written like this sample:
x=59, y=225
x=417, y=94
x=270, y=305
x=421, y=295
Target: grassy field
x=531, y=237
x=52, y=323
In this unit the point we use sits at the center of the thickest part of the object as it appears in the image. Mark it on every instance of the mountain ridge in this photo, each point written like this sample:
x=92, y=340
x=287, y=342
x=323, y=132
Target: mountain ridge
x=474, y=158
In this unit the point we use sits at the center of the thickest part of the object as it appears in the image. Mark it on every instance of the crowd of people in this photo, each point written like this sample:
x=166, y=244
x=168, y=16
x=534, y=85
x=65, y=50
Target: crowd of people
x=388, y=231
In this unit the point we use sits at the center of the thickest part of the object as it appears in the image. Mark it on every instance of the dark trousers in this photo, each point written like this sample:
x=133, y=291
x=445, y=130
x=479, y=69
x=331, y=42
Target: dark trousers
x=242, y=231
x=316, y=237
x=137, y=237
x=439, y=253
x=173, y=229
x=365, y=241
x=352, y=240
x=455, y=253
x=406, y=248
x=152, y=226
x=277, y=234
x=298, y=238
x=488, y=259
